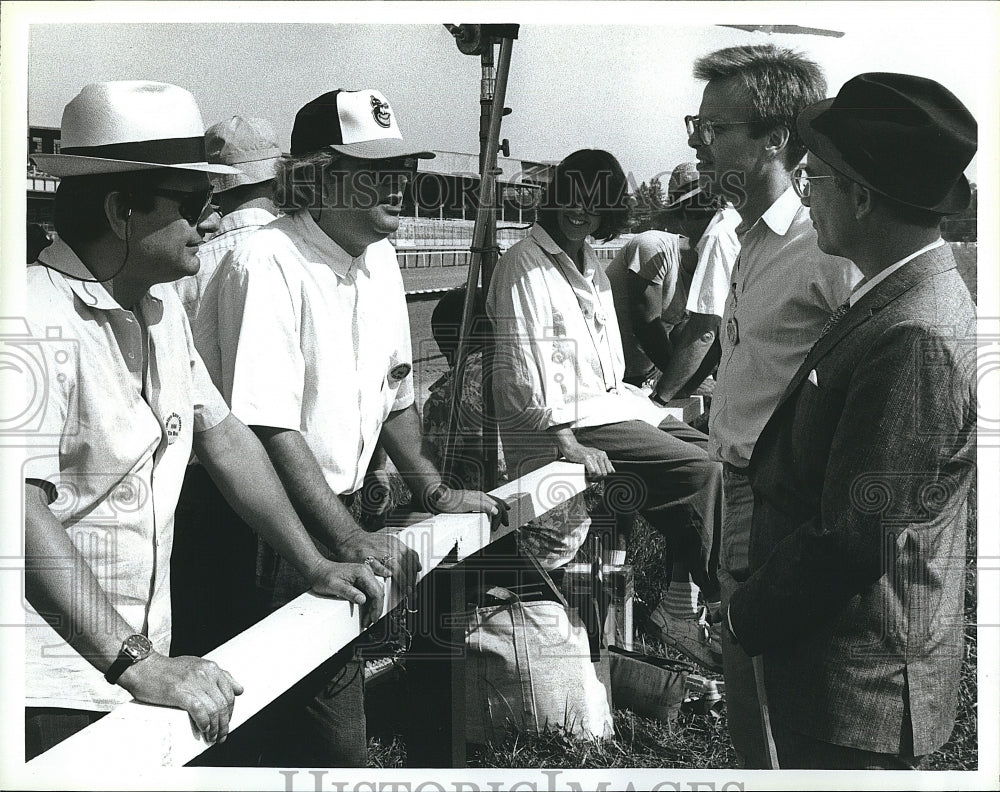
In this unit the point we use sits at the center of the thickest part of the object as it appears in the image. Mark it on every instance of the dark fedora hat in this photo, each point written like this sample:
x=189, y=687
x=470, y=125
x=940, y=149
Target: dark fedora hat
x=908, y=138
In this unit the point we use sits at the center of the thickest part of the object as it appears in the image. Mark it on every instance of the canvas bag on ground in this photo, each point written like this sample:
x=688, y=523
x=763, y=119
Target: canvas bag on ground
x=653, y=687
x=528, y=667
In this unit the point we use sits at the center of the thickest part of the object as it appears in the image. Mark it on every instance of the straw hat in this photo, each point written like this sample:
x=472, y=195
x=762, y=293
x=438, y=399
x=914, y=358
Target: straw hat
x=130, y=125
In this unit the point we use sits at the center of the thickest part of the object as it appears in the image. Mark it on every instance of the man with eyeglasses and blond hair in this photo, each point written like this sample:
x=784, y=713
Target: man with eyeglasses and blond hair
x=782, y=291
x=126, y=399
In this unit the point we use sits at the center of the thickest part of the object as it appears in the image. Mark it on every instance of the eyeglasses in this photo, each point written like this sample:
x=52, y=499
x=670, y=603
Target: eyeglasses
x=801, y=179
x=194, y=206
x=705, y=127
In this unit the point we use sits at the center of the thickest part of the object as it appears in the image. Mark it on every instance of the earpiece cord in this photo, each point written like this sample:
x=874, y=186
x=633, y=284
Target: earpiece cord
x=112, y=276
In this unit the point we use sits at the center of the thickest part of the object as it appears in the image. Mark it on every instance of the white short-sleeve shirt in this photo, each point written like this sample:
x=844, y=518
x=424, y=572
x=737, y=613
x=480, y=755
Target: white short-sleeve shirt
x=718, y=249
x=654, y=256
x=299, y=335
x=233, y=229
x=112, y=443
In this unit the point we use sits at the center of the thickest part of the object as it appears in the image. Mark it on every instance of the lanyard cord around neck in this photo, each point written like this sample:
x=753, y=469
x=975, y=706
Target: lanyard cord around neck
x=604, y=377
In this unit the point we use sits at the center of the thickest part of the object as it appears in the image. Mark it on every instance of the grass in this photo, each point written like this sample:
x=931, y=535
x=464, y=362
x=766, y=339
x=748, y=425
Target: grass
x=695, y=740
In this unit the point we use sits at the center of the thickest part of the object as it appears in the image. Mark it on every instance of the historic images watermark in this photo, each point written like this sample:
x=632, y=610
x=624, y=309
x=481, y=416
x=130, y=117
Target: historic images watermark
x=329, y=781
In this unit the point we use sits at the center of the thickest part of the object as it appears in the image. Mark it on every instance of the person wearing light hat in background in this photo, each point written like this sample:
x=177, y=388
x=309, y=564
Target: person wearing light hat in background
x=708, y=226
x=861, y=477
x=245, y=198
x=650, y=291
x=313, y=351
x=649, y=295
x=213, y=568
x=127, y=399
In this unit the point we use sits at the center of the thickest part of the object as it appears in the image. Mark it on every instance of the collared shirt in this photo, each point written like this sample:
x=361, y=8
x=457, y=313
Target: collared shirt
x=299, y=335
x=125, y=391
x=866, y=286
x=717, y=250
x=233, y=229
x=655, y=257
x=559, y=357
x=782, y=292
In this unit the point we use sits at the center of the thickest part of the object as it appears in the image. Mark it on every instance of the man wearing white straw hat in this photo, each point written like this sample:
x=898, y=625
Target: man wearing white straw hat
x=126, y=397
x=309, y=341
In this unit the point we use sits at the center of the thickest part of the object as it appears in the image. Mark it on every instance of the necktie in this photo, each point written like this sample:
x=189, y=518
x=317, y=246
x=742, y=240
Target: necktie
x=835, y=317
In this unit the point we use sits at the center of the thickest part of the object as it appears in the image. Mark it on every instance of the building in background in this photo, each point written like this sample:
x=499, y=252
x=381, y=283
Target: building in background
x=439, y=209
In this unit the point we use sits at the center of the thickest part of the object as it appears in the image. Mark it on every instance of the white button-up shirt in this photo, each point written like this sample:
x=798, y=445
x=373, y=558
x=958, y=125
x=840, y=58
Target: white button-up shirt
x=559, y=357
x=233, y=229
x=783, y=290
x=113, y=441
x=299, y=335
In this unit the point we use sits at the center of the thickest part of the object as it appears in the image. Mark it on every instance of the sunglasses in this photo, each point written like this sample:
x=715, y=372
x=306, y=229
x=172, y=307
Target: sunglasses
x=193, y=206
x=705, y=127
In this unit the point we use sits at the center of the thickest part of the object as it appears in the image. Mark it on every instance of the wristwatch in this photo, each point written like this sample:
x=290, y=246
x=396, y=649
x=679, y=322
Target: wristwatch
x=134, y=648
x=655, y=398
x=434, y=497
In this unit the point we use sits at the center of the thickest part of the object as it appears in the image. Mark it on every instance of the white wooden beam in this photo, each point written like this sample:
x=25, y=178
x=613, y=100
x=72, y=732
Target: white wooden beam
x=274, y=654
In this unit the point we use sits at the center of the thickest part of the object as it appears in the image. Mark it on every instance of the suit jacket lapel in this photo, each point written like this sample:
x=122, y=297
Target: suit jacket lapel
x=909, y=275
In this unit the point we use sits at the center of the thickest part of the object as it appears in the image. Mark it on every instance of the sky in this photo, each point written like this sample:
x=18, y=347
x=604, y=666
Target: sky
x=610, y=76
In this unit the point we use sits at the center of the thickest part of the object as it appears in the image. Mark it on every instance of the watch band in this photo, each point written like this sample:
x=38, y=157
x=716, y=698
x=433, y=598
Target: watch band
x=134, y=648
x=655, y=398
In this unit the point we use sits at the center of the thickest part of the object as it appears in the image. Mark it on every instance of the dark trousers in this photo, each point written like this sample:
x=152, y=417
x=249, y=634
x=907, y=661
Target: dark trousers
x=45, y=727
x=212, y=569
x=318, y=722
x=665, y=474
x=222, y=582
x=799, y=751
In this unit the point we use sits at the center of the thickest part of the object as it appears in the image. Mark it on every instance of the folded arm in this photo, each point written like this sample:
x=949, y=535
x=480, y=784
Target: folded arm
x=689, y=344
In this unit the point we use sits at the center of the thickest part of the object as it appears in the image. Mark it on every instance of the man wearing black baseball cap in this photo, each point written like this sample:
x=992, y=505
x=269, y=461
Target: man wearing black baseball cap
x=312, y=350
x=862, y=474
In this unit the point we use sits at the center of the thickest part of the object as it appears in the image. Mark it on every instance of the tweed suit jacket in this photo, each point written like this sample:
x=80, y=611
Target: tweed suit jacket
x=858, y=542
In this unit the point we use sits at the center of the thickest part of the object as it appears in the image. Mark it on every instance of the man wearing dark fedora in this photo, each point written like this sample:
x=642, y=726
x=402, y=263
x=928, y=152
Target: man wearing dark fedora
x=861, y=477
x=311, y=348
x=125, y=400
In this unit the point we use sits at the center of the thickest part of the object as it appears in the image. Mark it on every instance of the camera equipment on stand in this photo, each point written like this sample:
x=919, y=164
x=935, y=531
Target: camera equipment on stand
x=480, y=40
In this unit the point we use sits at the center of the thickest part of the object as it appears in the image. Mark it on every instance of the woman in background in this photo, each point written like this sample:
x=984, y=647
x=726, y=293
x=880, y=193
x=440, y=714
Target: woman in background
x=559, y=391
